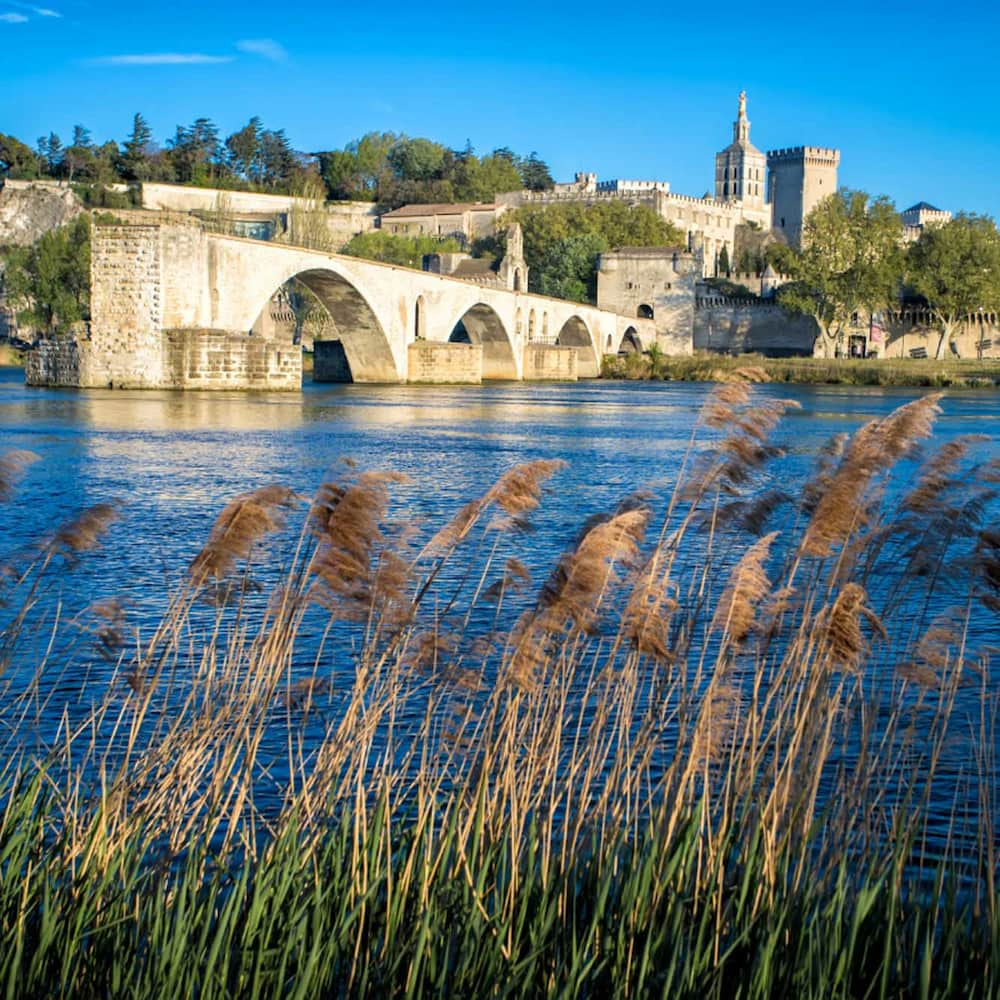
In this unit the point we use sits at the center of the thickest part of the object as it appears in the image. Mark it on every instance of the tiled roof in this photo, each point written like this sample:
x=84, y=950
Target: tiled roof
x=458, y=208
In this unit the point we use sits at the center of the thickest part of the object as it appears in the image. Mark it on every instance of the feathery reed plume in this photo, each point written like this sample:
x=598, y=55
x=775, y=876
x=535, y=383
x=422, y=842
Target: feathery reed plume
x=517, y=492
x=876, y=447
x=573, y=594
x=749, y=422
x=83, y=533
x=939, y=649
x=12, y=464
x=937, y=475
x=818, y=484
x=648, y=614
x=243, y=522
x=515, y=577
x=986, y=564
x=575, y=588
x=303, y=693
x=748, y=585
x=109, y=632
x=838, y=628
x=353, y=571
x=717, y=724
x=749, y=515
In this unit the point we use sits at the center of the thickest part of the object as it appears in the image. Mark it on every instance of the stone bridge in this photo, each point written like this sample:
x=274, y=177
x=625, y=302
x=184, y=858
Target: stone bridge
x=175, y=306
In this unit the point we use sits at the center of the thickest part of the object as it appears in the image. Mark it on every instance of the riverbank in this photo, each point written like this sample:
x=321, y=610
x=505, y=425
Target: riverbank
x=957, y=374
x=10, y=358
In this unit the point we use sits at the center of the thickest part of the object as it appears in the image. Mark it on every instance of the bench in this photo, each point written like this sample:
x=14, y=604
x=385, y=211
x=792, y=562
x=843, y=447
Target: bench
x=918, y=352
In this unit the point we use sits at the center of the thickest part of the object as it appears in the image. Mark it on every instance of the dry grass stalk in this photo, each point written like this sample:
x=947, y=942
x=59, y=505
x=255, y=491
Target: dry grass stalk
x=354, y=572
x=748, y=585
x=83, y=533
x=838, y=628
x=12, y=464
x=517, y=492
x=843, y=507
x=241, y=525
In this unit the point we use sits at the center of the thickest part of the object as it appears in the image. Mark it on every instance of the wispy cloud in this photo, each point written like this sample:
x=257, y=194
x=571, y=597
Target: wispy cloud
x=161, y=59
x=266, y=48
x=46, y=12
x=13, y=18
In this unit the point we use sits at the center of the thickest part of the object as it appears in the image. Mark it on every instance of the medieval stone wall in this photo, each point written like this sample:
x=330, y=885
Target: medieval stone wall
x=435, y=362
x=734, y=327
x=549, y=363
x=210, y=359
x=53, y=362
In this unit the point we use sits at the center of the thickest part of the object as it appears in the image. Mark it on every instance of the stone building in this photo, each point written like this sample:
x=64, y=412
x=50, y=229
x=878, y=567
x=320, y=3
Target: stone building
x=741, y=172
x=798, y=179
x=656, y=283
x=510, y=272
x=464, y=221
x=917, y=216
x=747, y=188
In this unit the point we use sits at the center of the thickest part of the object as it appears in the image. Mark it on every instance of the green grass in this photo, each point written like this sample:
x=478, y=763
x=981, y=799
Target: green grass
x=634, y=787
x=952, y=373
x=10, y=358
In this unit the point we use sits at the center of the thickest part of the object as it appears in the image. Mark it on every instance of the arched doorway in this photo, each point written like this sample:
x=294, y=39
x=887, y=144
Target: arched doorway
x=644, y=311
x=481, y=325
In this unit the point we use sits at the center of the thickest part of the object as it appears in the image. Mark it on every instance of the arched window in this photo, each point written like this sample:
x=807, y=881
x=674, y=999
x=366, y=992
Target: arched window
x=644, y=311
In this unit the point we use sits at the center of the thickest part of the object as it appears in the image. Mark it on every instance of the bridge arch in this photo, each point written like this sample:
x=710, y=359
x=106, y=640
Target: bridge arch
x=365, y=354
x=481, y=325
x=631, y=344
x=575, y=333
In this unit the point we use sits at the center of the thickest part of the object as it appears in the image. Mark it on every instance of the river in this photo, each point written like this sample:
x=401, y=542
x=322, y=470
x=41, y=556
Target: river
x=171, y=460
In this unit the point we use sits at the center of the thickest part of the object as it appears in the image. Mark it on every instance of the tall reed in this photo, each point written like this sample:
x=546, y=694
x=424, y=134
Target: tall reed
x=738, y=742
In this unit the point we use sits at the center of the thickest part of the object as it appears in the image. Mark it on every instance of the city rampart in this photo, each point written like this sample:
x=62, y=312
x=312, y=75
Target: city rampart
x=739, y=326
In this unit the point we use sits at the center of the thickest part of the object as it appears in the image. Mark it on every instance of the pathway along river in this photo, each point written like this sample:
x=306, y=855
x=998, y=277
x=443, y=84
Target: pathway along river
x=172, y=460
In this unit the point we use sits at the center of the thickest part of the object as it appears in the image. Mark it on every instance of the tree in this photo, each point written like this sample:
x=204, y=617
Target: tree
x=615, y=223
x=535, y=174
x=405, y=251
x=48, y=284
x=724, y=261
x=956, y=268
x=482, y=179
x=137, y=151
x=569, y=268
x=196, y=153
x=850, y=260
x=243, y=148
x=17, y=159
x=417, y=159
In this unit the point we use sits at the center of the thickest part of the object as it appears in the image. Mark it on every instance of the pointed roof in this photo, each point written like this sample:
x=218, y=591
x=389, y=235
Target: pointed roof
x=922, y=206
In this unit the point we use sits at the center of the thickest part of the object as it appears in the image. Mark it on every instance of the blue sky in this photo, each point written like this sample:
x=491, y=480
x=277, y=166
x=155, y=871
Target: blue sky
x=907, y=91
